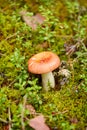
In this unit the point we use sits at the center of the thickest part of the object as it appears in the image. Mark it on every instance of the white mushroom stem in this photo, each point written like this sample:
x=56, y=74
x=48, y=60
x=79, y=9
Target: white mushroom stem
x=48, y=81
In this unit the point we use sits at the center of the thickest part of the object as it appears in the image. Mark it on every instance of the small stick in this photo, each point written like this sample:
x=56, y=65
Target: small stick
x=9, y=112
x=3, y=120
x=56, y=113
x=11, y=36
x=22, y=113
x=12, y=82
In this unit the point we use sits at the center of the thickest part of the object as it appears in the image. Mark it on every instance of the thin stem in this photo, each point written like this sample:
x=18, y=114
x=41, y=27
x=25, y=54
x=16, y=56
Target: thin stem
x=3, y=120
x=22, y=113
x=11, y=36
x=9, y=112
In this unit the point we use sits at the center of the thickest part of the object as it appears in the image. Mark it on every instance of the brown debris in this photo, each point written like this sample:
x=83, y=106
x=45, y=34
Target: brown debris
x=32, y=21
x=74, y=120
x=38, y=123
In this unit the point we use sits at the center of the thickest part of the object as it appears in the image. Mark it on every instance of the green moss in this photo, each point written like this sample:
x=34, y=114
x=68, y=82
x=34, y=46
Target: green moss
x=63, y=106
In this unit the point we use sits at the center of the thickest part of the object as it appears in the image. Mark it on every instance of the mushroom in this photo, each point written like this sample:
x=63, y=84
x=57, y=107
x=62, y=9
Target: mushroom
x=44, y=63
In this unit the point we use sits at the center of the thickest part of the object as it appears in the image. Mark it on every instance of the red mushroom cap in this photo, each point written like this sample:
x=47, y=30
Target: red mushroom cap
x=43, y=62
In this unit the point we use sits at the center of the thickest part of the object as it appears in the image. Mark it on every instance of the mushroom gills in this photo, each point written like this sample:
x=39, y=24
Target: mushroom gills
x=48, y=81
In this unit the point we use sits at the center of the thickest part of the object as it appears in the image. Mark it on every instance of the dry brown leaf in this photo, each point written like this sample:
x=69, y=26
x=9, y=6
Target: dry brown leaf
x=38, y=123
x=32, y=21
x=39, y=18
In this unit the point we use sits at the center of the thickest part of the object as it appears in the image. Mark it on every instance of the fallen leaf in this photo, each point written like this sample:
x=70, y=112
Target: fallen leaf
x=32, y=21
x=39, y=18
x=38, y=123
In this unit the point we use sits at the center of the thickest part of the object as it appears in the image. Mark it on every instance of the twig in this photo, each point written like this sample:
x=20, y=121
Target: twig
x=9, y=112
x=3, y=120
x=12, y=82
x=11, y=36
x=1, y=54
x=22, y=112
x=84, y=47
x=57, y=113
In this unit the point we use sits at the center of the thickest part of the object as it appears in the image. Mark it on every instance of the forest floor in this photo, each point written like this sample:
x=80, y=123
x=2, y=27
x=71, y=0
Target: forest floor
x=27, y=28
